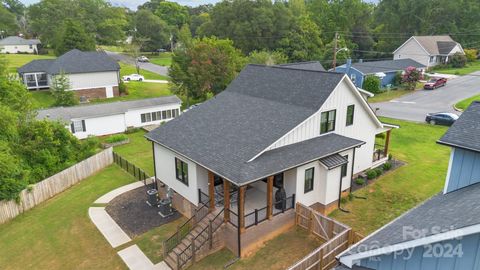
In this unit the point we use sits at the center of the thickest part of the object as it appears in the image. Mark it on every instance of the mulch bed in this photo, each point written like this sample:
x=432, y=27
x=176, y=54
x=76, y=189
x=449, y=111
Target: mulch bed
x=395, y=165
x=131, y=212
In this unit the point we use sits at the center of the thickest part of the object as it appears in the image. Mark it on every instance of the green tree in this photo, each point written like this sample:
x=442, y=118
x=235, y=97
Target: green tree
x=458, y=60
x=410, y=77
x=173, y=14
x=73, y=36
x=303, y=42
x=372, y=84
x=8, y=24
x=152, y=29
x=471, y=54
x=267, y=58
x=207, y=66
x=60, y=90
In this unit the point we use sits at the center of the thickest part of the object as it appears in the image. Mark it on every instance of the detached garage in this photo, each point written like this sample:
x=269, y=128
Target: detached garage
x=115, y=117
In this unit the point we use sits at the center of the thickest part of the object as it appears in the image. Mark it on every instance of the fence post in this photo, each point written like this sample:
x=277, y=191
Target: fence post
x=310, y=221
x=210, y=234
x=321, y=262
x=165, y=253
x=293, y=201
x=193, y=250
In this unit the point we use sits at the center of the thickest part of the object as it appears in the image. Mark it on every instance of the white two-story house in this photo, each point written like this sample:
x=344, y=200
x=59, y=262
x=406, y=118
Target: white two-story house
x=276, y=136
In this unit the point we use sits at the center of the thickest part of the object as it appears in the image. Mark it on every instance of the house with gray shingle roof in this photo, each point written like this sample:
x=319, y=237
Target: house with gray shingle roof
x=385, y=70
x=275, y=136
x=444, y=231
x=14, y=44
x=428, y=50
x=90, y=74
x=114, y=117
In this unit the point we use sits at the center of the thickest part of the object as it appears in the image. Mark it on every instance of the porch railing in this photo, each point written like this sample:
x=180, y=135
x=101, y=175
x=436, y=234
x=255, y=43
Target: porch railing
x=259, y=215
x=203, y=237
x=203, y=197
x=233, y=218
x=184, y=229
x=379, y=152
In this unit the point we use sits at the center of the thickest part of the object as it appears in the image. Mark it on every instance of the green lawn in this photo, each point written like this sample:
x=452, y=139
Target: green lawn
x=17, y=60
x=469, y=68
x=164, y=59
x=58, y=234
x=400, y=190
x=278, y=253
x=111, y=48
x=129, y=69
x=42, y=99
x=139, y=90
x=462, y=105
x=138, y=151
x=388, y=95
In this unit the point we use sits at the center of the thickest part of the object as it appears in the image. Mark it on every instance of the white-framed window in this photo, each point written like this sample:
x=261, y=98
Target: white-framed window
x=432, y=59
x=78, y=126
x=160, y=115
x=353, y=77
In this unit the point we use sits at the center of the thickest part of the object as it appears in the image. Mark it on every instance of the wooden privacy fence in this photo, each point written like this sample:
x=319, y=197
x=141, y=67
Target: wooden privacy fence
x=337, y=236
x=55, y=184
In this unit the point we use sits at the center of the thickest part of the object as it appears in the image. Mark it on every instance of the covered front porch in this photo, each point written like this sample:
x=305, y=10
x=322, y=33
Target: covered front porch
x=381, y=149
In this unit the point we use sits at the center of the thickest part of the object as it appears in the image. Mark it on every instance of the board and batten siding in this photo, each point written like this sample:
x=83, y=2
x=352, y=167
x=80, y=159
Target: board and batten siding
x=411, y=49
x=364, y=127
x=437, y=256
x=165, y=172
x=93, y=80
x=464, y=169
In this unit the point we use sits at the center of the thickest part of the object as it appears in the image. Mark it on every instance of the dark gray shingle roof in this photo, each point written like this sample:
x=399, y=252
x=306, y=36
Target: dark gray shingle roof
x=311, y=65
x=257, y=108
x=14, y=40
x=445, y=47
x=40, y=65
x=75, y=61
x=104, y=109
x=333, y=161
x=443, y=211
x=431, y=43
x=386, y=66
x=465, y=132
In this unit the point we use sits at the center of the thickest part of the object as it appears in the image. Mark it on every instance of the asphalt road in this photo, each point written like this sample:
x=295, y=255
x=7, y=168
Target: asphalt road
x=131, y=61
x=415, y=106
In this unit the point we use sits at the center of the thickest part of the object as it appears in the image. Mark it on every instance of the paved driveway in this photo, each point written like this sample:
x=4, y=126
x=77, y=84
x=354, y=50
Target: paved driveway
x=415, y=106
x=147, y=66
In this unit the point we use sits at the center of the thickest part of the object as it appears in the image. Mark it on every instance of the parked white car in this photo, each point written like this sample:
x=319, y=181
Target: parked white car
x=133, y=77
x=143, y=59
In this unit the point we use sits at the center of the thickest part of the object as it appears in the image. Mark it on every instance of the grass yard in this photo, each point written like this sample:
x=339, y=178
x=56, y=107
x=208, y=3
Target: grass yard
x=42, y=99
x=469, y=68
x=126, y=69
x=462, y=105
x=400, y=190
x=278, y=253
x=138, y=151
x=111, y=48
x=17, y=60
x=164, y=59
x=389, y=95
x=58, y=234
x=139, y=90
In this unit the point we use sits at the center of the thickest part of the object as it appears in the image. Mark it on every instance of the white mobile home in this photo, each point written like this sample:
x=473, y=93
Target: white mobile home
x=115, y=117
x=15, y=44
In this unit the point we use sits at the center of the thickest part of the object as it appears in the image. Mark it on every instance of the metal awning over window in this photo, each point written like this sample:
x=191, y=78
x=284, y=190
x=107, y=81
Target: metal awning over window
x=333, y=161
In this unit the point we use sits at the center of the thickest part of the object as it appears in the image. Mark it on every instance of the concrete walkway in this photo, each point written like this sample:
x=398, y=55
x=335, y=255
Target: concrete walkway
x=116, y=192
x=135, y=259
x=108, y=227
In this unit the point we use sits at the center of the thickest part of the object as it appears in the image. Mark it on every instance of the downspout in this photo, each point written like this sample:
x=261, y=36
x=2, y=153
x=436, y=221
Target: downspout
x=340, y=193
x=154, y=167
x=351, y=176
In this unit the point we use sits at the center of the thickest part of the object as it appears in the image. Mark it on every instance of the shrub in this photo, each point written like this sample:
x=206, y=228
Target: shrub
x=116, y=138
x=458, y=60
x=372, y=84
x=131, y=130
x=360, y=181
x=343, y=200
x=387, y=166
x=371, y=174
x=122, y=88
x=397, y=81
x=411, y=76
x=471, y=54
x=350, y=196
x=390, y=156
x=379, y=171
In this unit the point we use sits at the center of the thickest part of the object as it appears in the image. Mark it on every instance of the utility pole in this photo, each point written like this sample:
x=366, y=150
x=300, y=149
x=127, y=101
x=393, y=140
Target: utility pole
x=335, y=51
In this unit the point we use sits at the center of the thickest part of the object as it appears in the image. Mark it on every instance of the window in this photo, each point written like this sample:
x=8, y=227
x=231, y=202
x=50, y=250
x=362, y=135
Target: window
x=154, y=116
x=308, y=180
x=164, y=114
x=432, y=59
x=181, y=171
x=353, y=76
x=146, y=117
x=159, y=115
x=174, y=113
x=78, y=126
x=344, y=168
x=169, y=113
x=327, y=121
x=350, y=113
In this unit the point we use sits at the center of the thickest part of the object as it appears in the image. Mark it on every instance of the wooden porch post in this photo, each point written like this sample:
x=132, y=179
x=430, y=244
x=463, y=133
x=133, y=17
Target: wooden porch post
x=241, y=208
x=211, y=190
x=226, y=200
x=269, y=196
x=387, y=142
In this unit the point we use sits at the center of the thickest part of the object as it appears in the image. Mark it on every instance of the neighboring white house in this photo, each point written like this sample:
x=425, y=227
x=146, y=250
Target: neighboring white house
x=303, y=131
x=14, y=44
x=110, y=118
x=428, y=50
x=91, y=74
